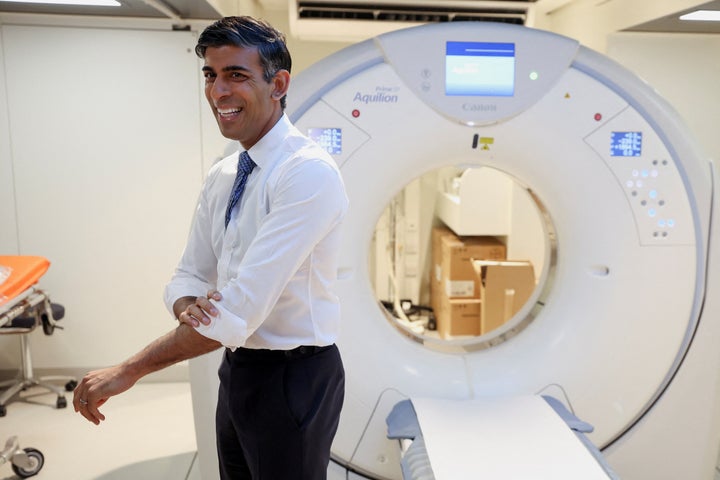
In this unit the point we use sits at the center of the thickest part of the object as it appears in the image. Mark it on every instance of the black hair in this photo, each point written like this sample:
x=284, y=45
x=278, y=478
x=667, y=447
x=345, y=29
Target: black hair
x=247, y=31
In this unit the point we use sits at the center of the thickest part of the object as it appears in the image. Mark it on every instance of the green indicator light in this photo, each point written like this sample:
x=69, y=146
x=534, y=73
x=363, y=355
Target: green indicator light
x=534, y=75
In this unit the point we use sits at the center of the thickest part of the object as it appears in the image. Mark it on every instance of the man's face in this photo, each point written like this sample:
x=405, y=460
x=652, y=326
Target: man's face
x=245, y=106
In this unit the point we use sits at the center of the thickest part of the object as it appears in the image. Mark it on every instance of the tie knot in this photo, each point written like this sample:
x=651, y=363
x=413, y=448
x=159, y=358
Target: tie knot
x=245, y=164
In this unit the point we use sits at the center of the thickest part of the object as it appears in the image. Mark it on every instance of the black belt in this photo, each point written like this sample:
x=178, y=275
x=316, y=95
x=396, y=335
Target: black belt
x=302, y=351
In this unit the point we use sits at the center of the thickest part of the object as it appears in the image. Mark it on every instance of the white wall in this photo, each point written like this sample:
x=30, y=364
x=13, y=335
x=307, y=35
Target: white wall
x=685, y=70
x=8, y=231
x=590, y=21
x=107, y=136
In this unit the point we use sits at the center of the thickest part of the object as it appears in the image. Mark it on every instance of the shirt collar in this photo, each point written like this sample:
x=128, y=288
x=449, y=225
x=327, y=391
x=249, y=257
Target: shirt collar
x=262, y=152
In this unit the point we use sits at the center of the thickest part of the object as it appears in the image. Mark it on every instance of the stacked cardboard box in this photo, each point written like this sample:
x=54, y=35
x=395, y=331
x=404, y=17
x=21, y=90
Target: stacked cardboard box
x=504, y=289
x=455, y=286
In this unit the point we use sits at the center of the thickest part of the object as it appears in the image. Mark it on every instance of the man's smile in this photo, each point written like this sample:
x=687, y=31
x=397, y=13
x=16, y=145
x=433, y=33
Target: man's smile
x=228, y=112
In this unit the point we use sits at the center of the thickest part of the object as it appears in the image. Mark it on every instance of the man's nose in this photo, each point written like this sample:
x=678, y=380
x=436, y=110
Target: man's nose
x=219, y=89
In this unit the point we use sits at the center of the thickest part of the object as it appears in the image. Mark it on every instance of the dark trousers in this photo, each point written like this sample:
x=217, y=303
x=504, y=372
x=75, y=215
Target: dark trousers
x=278, y=412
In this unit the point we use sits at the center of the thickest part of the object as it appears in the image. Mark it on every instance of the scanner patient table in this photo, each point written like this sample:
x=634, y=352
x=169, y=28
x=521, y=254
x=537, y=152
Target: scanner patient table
x=519, y=437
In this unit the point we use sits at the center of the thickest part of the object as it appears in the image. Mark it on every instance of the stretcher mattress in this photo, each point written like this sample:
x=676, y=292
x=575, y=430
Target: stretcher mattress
x=18, y=273
x=523, y=437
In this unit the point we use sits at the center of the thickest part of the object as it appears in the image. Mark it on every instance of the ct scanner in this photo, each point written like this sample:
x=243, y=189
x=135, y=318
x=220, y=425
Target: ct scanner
x=624, y=326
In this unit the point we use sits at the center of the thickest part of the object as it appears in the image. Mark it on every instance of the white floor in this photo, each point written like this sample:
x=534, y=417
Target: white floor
x=148, y=434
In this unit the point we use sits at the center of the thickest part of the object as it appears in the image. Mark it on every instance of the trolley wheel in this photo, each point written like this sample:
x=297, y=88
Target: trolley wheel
x=70, y=386
x=3, y=410
x=61, y=402
x=36, y=459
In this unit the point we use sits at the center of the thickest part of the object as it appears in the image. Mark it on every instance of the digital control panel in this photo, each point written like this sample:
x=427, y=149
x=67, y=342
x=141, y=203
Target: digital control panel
x=478, y=78
x=480, y=69
x=648, y=176
x=625, y=144
x=329, y=138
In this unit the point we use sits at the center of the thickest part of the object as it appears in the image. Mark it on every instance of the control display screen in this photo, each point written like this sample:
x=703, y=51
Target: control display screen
x=480, y=69
x=625, y=144
x=328, y=138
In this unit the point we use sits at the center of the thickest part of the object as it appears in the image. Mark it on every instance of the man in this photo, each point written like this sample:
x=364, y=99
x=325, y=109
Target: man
x=267, y=261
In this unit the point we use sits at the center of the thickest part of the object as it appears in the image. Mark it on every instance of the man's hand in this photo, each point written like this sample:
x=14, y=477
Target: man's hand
x=200, y=310
x=97, y=387
x=181, y=343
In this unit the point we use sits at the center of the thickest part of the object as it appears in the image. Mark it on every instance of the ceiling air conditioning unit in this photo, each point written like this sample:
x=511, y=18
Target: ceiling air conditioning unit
x=355, y=20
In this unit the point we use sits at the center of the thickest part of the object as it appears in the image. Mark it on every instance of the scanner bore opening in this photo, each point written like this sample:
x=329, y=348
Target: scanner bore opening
x=462, y=258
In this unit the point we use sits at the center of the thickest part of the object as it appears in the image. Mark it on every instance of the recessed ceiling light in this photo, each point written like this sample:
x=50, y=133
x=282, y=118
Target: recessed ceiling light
x=702, y=15
x=100, y=3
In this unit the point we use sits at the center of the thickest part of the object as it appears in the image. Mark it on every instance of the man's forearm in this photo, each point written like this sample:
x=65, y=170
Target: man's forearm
x=180, y=344
x=98, y=386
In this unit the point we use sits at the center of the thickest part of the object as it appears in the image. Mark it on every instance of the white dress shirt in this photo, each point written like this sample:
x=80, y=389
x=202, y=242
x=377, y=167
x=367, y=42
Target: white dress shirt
x=276, y=263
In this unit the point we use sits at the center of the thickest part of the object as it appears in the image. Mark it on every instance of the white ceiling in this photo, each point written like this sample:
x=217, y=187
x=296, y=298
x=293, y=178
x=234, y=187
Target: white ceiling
x=671, y=23
x=202, y=9
x=187, y=9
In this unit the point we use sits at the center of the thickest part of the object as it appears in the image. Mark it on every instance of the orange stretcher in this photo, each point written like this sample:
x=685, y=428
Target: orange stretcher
x=18, y=276
x=23, y=307
x=18, y=273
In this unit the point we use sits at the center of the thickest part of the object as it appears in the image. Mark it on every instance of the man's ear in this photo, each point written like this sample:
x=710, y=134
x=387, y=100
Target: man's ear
x=281, y=83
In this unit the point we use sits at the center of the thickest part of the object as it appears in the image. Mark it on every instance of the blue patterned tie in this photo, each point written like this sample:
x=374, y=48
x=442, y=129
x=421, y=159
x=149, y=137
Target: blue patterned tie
x=245, y=166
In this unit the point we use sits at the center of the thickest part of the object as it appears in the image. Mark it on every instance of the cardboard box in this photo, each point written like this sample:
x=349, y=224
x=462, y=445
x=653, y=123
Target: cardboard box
x=453, y=272
x=436, y=280
x=454, y=286
x=505, y=288
x=458, y=317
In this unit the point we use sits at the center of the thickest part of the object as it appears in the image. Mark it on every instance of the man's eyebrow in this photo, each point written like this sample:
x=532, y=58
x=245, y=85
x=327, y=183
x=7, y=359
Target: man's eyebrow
x=229, y=68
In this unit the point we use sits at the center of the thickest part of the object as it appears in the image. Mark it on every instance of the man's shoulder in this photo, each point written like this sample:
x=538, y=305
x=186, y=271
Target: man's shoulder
x=302, y=148
x=227, y=163
x=223, y=170
x=309, y=156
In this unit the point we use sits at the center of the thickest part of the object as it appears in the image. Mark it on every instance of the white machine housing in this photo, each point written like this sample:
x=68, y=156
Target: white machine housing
x=625, y=323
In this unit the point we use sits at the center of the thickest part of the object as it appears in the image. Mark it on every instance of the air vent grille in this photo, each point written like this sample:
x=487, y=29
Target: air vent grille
x=402, y=13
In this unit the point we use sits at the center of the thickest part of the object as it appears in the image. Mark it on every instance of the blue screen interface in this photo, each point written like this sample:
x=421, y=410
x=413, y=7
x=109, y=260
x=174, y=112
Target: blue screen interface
x=480, y=69
x=625, y=144
x=328, y=138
